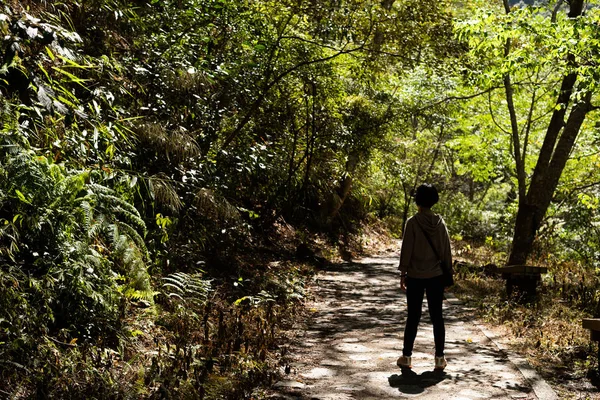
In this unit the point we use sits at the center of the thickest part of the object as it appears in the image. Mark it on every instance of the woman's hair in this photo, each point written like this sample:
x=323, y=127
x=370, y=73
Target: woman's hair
x=426, y=195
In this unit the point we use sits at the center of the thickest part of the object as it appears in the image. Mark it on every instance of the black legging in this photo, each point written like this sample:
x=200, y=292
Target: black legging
x=414, y=299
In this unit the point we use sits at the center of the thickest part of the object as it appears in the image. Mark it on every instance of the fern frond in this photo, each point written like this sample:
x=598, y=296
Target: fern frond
x=190, y=288
x=117, y=241
x=96, y=188
x=113, y=200
x=134, y=221
x=27, y=171
x=116, y=205
x=68, y=187
x=132, y=256
x=94, y=259
x=136, y=295
x=137, y=273
x=87, y=213
x=96, y=228
x=135, y=237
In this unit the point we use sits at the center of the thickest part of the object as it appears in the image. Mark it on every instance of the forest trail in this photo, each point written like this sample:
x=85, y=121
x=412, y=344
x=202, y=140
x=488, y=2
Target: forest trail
x=349, y=349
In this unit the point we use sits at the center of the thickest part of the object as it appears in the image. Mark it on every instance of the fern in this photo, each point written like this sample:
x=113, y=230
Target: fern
x=133, y=221
x=130, y=256
x=97, y=226
x=55, y=217
x=134, y=294
x=135, y=237
x=108, y=200
x=68, y=188
x=87, y=214
x=191, y=289
x=109, y=195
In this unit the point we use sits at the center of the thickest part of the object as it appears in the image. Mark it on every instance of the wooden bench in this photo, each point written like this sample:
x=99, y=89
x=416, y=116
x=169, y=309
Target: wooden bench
x=523, y=277
x=593, y=324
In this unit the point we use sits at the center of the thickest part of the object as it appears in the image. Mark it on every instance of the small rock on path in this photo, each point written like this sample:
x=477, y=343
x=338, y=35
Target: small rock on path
x=350, y=348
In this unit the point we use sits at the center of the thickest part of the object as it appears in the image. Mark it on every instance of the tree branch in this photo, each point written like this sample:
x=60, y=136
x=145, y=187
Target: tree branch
x=528, y=125
x=61, y=343
x=274, y=82
x=582, y=187
x=515, y=137
x=452, y=98
x=313, y=42
x=514, y=125
x=557, y=6
x=574, y=190
x=494, y=118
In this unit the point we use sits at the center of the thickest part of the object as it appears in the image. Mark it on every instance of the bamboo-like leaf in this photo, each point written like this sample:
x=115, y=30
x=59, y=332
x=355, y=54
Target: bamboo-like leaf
x=174, y=143
x=73, y=78
x=163, y=191
x=216, y=206
x=51, y=55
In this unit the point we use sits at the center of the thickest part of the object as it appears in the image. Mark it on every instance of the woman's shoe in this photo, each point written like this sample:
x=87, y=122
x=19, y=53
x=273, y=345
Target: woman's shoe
x=404, y=362
x=440, y=363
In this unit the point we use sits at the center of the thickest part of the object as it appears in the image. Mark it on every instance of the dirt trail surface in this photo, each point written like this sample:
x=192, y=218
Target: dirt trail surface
x=349, y=349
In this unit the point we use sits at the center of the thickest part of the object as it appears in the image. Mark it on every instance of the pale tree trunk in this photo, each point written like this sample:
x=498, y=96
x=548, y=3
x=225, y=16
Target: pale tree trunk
x=340, y=195
x=558, y=143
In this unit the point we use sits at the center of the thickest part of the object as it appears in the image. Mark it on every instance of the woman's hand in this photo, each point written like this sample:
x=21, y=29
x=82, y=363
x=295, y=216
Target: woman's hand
x=403, y=282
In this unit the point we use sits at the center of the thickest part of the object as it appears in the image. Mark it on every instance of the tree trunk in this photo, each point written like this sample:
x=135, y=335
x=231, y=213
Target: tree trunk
x=543, y=185
x=558, y=143
x=525, y=229
x=342, y=192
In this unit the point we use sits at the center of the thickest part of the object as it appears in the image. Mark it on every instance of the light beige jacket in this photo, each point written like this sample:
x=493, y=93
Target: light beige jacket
x=417, y=259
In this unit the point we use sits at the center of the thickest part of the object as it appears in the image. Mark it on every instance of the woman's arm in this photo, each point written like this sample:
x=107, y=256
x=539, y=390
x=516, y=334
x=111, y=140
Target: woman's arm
x=408, y=240
x=447, y=247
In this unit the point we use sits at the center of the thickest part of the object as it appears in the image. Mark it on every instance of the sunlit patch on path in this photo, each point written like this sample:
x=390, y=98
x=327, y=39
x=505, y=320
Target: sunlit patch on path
x=349, y=350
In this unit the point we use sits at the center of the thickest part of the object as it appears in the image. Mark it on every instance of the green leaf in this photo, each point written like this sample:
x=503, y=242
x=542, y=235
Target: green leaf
x=22, y=197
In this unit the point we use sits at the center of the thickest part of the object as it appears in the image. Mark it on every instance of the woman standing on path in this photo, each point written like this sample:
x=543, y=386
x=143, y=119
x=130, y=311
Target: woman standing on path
x=425, y=246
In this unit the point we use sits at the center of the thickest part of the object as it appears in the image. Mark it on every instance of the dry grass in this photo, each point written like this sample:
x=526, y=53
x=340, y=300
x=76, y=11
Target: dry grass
x=547, y=331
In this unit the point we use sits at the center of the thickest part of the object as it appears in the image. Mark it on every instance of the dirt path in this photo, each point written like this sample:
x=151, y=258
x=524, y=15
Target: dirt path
x=349, y=350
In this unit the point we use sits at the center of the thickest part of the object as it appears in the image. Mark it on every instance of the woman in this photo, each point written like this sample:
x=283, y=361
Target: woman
x=421, y=272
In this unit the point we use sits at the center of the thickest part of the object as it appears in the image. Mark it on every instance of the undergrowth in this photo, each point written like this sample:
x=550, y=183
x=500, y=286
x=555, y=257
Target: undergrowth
x=548, y=330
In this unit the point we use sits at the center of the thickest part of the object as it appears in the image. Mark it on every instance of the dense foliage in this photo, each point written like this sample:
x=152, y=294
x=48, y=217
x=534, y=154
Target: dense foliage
x=165, y=166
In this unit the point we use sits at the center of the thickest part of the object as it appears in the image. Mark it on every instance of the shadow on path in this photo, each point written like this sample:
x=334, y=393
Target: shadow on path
x=350, y=347
x=409, y=382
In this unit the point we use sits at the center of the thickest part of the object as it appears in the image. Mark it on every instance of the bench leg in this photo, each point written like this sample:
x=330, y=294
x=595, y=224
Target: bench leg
x=525, y=285
x=529, y=286
x=509, y=286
